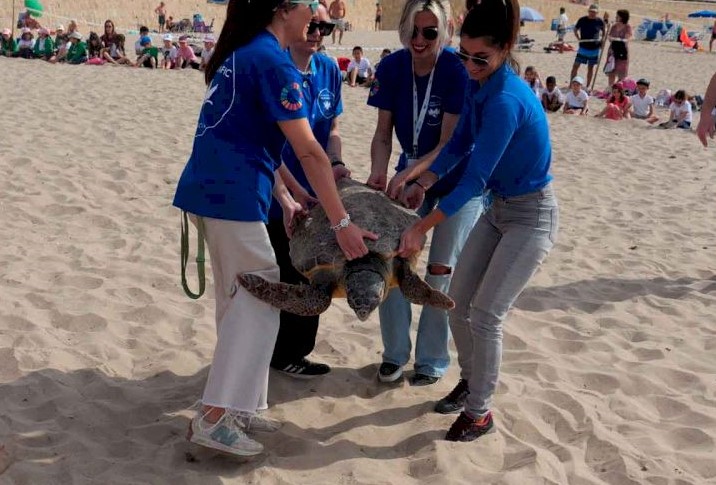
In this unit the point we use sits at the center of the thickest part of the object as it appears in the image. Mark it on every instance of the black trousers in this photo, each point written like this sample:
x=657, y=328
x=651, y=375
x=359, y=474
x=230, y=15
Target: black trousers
x=296, y=335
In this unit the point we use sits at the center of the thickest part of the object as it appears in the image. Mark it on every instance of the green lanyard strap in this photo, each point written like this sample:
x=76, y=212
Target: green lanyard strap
x=199, y=255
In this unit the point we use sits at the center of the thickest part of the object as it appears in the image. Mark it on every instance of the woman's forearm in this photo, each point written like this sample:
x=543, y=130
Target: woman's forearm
x=317, y=167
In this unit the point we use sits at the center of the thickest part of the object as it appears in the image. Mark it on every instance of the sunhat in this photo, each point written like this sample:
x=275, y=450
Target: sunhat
x=6, y=32
x=210, y=38
x=24, y=31
x=60, y=27
x=183, y=38
x=578, y=79
x=76, y=35
x=168, y=37
x=594, y=7
x=145, y=40
x=43, y=31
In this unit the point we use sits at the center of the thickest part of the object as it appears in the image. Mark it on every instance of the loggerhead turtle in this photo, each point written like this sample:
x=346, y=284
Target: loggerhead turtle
x=365, y=281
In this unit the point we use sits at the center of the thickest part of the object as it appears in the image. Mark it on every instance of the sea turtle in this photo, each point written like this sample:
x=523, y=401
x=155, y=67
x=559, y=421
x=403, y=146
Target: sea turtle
x=365, y=281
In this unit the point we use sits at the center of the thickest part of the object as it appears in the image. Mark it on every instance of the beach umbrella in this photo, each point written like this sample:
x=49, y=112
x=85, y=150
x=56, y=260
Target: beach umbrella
x=35, y=7
x=528, y=14
x=703, y=14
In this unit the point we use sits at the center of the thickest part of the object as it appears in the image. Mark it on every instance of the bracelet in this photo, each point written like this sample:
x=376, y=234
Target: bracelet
x=337, y=162
x=342, y=224
x=425, y=189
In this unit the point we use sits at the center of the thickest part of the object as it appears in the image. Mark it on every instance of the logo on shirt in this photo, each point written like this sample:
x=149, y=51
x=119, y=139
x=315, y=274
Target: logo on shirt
x=326, y=104
x=435, y=111
x=292, y=97
x=374, y=88
x=209, y=93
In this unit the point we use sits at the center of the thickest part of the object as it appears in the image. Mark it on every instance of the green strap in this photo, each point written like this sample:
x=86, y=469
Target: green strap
x=199, y=255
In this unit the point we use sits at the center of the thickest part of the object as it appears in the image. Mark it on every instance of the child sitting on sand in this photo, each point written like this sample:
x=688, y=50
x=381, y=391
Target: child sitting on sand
x=186, y=57
x=618, y=105
x=8, y=45
x=533, y=80
x=150, y=54
x=552, y=97
x=94, y=49
x=577, y=100
x=680, y=114
x=359, y=70
x=169, y=52
x=642, y=104
x=208, y=51
x=26, y=44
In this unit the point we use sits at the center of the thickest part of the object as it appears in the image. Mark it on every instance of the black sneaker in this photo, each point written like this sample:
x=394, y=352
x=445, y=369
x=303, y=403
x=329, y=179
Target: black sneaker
x=423, y=380
x=304, y=369
x=389, y=372
x=455, y=401
x=467, y=428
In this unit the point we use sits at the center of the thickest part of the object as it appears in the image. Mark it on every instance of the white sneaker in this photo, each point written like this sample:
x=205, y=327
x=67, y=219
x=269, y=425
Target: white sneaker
x=257, y=422
x=225, y=435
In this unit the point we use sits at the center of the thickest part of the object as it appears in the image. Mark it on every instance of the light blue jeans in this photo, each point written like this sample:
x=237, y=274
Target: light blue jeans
x=431, y=346
x=505, y=248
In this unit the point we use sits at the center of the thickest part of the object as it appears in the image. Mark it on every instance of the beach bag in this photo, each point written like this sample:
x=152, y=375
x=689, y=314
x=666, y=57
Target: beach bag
x=610, y=64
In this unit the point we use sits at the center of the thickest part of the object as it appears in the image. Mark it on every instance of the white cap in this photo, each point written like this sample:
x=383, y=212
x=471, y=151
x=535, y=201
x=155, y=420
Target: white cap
x=168, y=37
x=60, y=27
x=578, y=79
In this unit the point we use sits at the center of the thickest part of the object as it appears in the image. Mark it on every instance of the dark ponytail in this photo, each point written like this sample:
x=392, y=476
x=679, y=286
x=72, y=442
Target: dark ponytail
x=499, y=21
x=245, y=19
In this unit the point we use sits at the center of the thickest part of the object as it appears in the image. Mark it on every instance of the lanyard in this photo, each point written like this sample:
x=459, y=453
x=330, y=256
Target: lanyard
x=419, y=119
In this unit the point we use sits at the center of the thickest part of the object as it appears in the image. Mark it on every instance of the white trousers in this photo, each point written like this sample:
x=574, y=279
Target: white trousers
x=246, y=326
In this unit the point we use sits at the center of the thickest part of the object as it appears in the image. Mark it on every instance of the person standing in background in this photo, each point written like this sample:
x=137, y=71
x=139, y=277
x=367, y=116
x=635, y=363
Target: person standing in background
x=378, y=16
x=707, y=123
x=589, y=31
x=161, y=12
x=337, y=12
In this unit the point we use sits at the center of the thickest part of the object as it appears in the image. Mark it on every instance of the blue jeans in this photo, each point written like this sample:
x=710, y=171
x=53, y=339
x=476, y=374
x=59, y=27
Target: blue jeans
x=505, y=248
x=431, y=346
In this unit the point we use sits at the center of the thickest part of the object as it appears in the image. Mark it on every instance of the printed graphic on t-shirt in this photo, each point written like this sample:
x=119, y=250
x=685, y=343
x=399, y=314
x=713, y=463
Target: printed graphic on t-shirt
x=209, y=118
x=327, y=104
x=292, y=97
x=374, y=87
x=434, y=115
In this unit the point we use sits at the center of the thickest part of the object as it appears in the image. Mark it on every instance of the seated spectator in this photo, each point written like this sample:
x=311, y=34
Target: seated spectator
x=186, y=57
x=94, y=49
x=44, y=47
x=60, y=38
x=533, y=80
x=77, y=51
x=552, y=97
x=359, y=70
x=383, y=54
x=26, y=44
x=618, y=105
x=149, y=57
x=143, y=32
x=642, y=104
x=171, y=25
x=577, y=100
x=680, y=112
x=208, y=51
x=8, y=44
x=169, y=52
x=113, y=45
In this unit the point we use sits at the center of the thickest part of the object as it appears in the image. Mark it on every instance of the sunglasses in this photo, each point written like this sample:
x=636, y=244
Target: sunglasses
x=429, y=33
x=312, y=4
x=324, y=28
x=478, y=61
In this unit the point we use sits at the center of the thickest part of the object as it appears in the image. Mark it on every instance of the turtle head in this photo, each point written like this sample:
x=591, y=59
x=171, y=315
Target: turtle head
x=366, y=284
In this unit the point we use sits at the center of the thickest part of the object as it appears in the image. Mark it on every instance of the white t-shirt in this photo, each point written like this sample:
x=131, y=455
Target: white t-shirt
x=641, y=105
x=170, y=53
x=555, y=94
x=206, y=55
x=363, y=66
x=576, y=100
x=563, y=21
x=678, y=109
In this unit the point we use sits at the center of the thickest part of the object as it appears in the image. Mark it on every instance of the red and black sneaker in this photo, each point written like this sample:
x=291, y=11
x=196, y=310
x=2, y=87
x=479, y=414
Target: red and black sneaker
x=467, y=428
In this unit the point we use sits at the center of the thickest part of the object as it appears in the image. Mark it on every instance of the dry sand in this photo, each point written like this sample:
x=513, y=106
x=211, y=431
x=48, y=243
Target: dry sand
x=609, y=373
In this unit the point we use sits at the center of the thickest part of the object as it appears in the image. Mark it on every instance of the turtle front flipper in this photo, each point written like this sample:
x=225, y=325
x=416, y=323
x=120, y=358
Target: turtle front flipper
x=304, y=300
x=417, y=291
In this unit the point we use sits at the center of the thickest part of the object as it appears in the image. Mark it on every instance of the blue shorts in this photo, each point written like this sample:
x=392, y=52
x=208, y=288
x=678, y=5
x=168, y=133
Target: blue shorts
x=588, y=57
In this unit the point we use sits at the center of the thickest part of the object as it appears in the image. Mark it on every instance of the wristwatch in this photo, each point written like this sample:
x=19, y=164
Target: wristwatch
x=337, y=162
x=342, y=224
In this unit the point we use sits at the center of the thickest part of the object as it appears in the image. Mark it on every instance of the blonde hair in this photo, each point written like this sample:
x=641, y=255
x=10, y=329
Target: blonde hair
x=439, y=8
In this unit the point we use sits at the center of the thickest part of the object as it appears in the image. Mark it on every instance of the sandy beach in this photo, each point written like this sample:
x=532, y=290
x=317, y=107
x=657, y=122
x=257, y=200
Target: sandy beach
x=609, y=372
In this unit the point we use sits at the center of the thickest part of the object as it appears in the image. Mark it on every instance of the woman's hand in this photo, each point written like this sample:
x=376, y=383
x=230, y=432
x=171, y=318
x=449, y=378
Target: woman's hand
x=411, y=241
x=413, y=196
x=291, y=211
x=340, y=171
x=350, y=240
x=377, y=181
x=706, y=127
x=397, y=184
x=306, y=200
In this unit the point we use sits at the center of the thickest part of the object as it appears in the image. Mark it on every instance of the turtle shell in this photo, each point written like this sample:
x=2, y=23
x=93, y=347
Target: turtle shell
x=314, y=244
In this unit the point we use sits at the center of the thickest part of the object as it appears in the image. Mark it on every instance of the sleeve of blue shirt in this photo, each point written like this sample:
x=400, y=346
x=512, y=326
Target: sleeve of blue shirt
x=281, y=92
x=459, y=145
x=454, y=102
x=381, y=94
x=337, y=85
x=500, y=119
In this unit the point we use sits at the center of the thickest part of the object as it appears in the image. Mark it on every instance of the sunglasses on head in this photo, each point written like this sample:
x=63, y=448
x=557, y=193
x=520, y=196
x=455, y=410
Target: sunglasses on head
x=478, y=61
x=429, y=33
x=324, y=28
x=312, y=4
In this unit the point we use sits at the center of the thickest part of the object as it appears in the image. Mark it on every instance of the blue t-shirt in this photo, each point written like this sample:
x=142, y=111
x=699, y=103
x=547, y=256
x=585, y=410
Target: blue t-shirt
x=590, y=29
x=322, y=96
x=505, y=128
x=392, y=90
x=237, y=145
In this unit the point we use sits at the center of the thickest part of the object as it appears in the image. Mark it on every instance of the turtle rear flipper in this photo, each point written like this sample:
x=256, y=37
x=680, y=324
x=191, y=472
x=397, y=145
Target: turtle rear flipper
x=304, y=300
x=417, y=291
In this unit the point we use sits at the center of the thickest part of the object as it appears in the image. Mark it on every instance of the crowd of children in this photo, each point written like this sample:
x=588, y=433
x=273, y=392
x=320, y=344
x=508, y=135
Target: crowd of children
x=621, y=103
x=71, y=47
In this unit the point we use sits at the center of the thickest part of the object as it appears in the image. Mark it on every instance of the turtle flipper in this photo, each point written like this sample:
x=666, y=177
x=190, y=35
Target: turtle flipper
x=304, y=300
x=417, y=291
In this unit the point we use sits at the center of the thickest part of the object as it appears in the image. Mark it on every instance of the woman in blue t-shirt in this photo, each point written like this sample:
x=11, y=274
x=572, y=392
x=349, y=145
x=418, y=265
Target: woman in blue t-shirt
x=419, y=91
x=254, y=102
x=505, y=126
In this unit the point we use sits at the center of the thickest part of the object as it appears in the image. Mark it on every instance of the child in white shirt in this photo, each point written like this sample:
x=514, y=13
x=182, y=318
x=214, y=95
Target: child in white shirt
x=680, y=115
x=576, y=99
x=552, y=97
x=532, y=78
x=169, y=52
x=359, y=71
x=642, y=104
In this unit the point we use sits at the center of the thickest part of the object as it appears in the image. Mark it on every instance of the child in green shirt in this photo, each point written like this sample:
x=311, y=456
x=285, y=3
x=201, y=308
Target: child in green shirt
x=44, y=47
x=150, y=55
x=8, y=45
x=77, y=52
